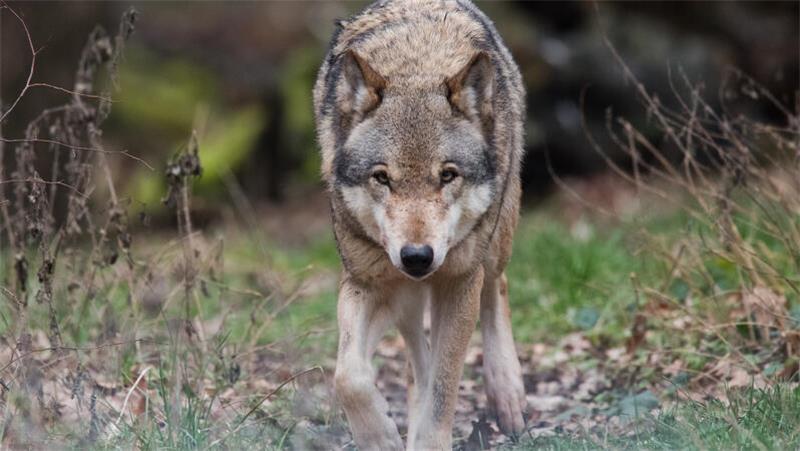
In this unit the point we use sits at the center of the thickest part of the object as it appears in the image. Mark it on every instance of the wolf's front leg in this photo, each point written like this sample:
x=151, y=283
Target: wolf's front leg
x=501, y=369
x=363, y=319
x=411, y=326
x=454, y=312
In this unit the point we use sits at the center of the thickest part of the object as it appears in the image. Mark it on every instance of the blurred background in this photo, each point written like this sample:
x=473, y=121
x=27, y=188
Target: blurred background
x=241, y=75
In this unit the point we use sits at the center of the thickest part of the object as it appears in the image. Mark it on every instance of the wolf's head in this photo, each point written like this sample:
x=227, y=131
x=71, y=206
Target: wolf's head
x=415, y=166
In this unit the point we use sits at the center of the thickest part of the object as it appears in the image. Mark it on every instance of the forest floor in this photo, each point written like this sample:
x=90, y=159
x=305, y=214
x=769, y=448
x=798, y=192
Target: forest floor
x=245, y=356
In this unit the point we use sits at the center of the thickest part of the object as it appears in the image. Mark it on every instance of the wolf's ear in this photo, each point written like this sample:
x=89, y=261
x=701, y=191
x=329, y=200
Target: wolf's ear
x=362, y=89
x=470, y=91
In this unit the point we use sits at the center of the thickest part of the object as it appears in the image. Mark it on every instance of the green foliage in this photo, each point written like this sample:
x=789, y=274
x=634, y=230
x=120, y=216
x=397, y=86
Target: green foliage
x=184, y=96
x=162, y=95
x=225, y=147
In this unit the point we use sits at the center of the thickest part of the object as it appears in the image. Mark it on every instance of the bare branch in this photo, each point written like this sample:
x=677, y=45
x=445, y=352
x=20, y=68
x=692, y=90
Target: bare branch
x=70, y=92
x=25, y=88
x=124, y=153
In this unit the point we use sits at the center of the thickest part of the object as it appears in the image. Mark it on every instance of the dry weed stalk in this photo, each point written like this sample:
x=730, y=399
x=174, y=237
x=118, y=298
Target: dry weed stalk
x=66, y=243
x=737, y=179
x=46, y=221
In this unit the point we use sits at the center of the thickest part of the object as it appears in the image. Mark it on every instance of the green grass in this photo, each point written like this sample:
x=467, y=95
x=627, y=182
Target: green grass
x=315, y=311
x=766, y=419
x=557, y=282
x=561, y=281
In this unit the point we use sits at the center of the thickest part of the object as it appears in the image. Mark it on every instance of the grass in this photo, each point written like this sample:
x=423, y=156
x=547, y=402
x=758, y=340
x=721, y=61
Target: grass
x=566, y=280
x=753, y=418
x=562, y=280
x=558, y=283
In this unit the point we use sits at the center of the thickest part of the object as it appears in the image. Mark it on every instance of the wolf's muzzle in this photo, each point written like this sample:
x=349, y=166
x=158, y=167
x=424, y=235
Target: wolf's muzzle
x=416, y=259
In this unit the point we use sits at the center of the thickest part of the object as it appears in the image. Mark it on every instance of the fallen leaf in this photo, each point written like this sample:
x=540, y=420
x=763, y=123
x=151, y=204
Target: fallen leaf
x=638, y=330
x=767, y=308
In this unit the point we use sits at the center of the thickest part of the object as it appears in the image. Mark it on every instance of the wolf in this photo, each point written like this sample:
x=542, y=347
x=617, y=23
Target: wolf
x=419, y=111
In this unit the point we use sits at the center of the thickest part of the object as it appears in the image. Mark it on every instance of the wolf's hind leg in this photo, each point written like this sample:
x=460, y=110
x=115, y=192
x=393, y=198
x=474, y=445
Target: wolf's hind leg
x=501, y=369
x=363, y=319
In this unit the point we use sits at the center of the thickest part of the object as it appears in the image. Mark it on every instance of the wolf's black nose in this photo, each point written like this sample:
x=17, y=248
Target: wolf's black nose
x=416, y=259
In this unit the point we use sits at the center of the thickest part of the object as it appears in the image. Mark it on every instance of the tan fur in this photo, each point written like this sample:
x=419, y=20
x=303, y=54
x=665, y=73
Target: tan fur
x=407, y=87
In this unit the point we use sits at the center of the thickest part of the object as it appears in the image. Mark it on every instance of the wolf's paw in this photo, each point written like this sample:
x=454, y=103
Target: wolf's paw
x=506, y=395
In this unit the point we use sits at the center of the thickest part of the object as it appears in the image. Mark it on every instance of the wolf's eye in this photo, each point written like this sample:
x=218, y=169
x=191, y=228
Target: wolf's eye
x=448, y=175
x=381, y=177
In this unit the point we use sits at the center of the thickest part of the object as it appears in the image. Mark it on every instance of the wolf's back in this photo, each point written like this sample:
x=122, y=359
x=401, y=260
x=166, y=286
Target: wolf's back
x=416, y=45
